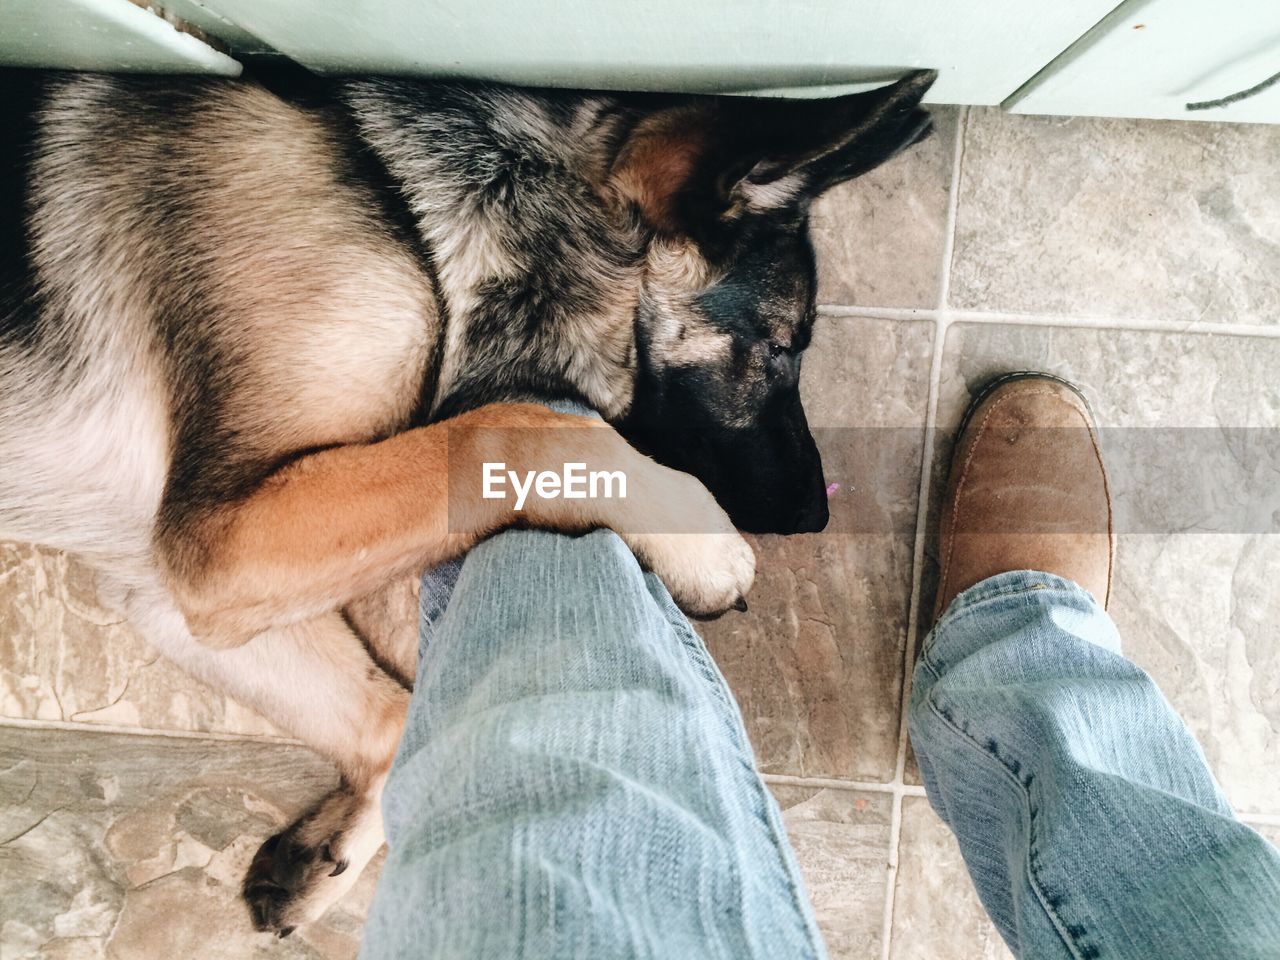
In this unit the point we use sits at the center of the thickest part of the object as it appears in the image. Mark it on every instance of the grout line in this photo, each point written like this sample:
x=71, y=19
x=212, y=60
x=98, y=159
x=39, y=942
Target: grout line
x=913, y=627
x=1196, y=328
x=877, y=313
x=70, y=725
x=941, y=322
x=1259, y=331
x=829, y=783
x=923, y=494
x=953, y=208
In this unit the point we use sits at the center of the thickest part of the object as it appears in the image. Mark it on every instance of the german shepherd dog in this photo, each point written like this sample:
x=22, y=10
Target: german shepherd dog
x=248, y=329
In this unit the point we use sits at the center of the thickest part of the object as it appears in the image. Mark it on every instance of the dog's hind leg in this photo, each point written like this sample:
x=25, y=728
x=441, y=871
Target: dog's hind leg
x=316, y=681
x=298, y=873
x=387, y=621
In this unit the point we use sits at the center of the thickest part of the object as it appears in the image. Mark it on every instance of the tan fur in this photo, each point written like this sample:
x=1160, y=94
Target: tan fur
x=337, y=525
x=659, y=155
x=350, y=711
x=675, y=271
x=387, y=621
x=293, y=247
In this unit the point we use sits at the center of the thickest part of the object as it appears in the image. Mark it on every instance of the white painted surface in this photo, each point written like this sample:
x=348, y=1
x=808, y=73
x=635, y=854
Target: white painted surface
x=984, y=49
x=1153, y=57
x=101, y=35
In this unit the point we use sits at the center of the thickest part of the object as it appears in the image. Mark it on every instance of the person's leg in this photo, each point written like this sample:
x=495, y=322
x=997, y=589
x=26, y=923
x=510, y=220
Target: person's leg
x=1084, y=809
x=1087, y=817
x=574, y=778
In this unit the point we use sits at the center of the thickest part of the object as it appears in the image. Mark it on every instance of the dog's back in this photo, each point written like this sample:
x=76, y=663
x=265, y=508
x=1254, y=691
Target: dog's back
x=197, y=282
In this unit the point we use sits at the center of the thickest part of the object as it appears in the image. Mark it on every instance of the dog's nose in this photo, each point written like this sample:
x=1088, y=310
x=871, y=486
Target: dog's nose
x=809, y=517
x=813, y=516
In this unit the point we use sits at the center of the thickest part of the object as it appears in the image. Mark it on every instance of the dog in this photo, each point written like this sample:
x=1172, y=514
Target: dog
x=258, y=336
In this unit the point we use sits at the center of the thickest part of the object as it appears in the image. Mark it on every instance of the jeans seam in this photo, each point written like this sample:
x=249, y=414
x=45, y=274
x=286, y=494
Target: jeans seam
x=1060, y=926
x=712, y=677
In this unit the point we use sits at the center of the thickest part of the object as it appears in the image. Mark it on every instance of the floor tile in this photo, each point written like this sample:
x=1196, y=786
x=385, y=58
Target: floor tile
x=937, y=914
x=817, y=662
x=841, y=839
x=1199, y=614
x=1118, y=218
x=911, y=768
x=1196, y=610
x=63, y=657
x=1271, y=831
x=135, y=846
x=880, y=238
x=936, y=911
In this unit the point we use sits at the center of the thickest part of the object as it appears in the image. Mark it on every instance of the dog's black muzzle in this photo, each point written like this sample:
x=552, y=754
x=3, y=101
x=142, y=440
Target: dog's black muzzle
x=770, y=480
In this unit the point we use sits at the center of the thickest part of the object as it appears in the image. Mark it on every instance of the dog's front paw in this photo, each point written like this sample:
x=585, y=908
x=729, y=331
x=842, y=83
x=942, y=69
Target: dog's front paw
x=707, y=573
x=680, y=533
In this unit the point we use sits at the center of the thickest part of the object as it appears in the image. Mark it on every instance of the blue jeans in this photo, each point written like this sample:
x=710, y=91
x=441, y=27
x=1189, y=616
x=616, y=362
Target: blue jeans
x=1085, y=811
x=575, y=782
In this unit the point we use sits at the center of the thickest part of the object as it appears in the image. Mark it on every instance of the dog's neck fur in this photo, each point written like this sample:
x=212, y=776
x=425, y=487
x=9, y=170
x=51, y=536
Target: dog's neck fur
x=539, y=282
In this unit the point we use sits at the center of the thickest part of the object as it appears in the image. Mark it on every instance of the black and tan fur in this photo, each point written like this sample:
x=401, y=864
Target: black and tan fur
x=248, y=330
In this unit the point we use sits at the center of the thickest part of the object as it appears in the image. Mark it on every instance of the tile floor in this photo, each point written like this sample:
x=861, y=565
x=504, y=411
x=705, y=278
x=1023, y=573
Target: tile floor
x=1140, y=259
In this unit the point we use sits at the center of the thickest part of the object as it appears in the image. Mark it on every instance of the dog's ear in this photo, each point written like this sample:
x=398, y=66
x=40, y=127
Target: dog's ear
x=698, y=161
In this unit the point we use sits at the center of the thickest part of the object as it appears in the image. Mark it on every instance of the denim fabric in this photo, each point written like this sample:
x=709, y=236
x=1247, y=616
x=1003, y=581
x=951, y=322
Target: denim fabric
x=1088, y=819
x=574, y=779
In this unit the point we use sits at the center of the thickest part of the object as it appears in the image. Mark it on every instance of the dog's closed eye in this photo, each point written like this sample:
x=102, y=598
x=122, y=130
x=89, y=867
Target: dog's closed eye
x=782, y=362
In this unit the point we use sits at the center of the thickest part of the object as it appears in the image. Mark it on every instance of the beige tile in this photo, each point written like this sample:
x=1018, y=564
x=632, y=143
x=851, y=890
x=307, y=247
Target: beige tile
x=880, y=238
x=134, y=846
x=911, y=768
x=937, y=914
x=1132, y=379
x=936, y=911
x=1199, y=614
x=1118, y=218
x=1196, y=610
x=817, y=662
x=1271, y=831
x=841, y=839
x=924, y=620
x=63, y=657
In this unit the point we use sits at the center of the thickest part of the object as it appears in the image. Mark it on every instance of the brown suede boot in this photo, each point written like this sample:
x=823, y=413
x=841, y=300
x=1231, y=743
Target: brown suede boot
x=1027, y=490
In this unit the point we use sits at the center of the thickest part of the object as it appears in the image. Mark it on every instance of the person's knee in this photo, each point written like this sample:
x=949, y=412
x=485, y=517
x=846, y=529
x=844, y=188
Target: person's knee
x=572, y=558
x=568, y=561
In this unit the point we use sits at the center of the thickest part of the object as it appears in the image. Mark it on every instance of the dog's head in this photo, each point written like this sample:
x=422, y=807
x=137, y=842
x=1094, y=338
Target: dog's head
x=726, y=306
x=647, y=253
